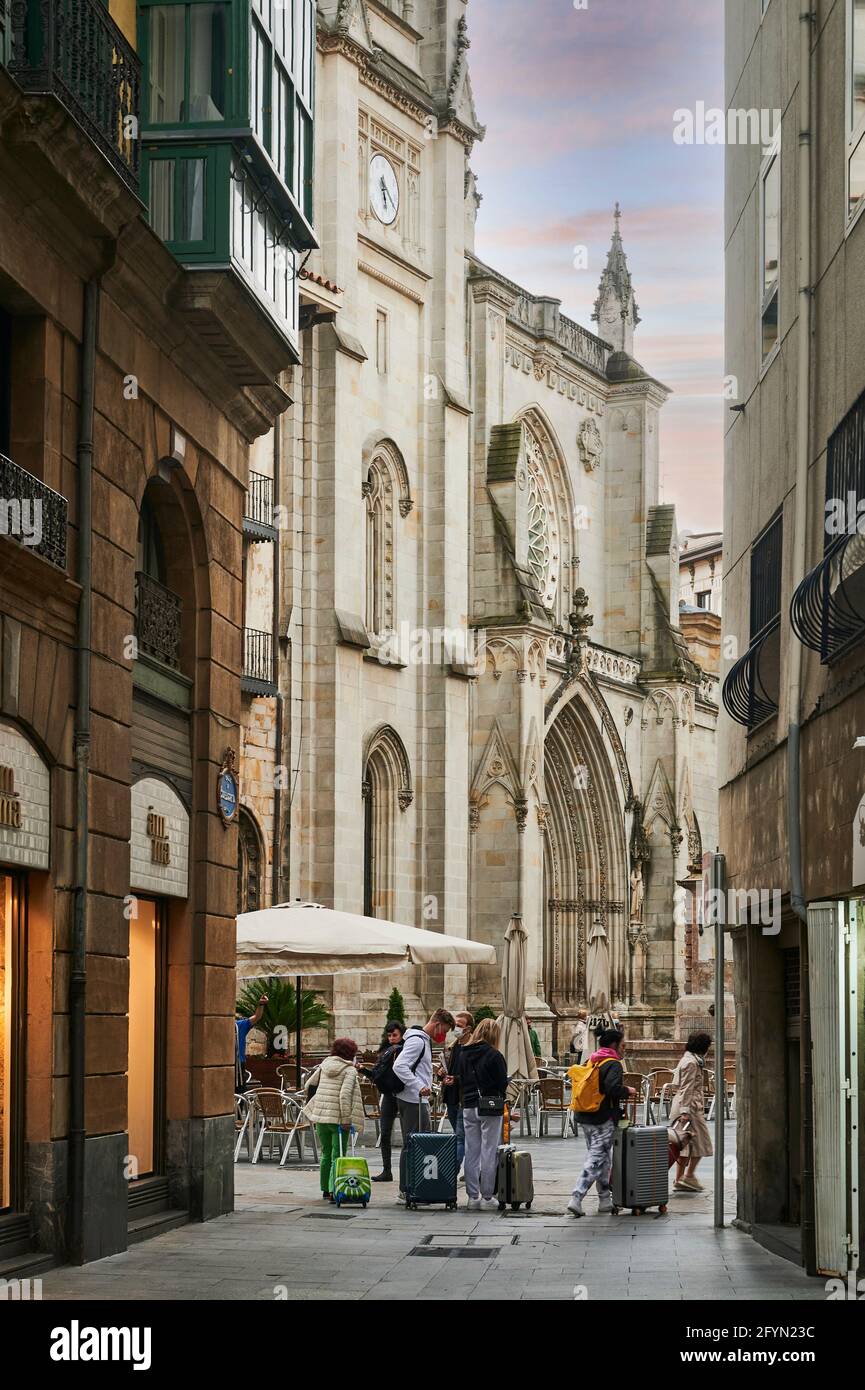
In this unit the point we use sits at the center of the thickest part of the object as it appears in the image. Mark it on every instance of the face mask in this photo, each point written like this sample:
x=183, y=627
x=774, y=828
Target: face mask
x=458, y=1032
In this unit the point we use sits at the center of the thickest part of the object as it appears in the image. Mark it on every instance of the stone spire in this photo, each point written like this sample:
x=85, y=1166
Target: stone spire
x=616, y=310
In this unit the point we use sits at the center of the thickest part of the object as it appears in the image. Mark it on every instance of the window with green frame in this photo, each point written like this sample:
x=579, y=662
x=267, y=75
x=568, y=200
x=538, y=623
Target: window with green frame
x=189, y=68
x=281, y=74
x=180, y=196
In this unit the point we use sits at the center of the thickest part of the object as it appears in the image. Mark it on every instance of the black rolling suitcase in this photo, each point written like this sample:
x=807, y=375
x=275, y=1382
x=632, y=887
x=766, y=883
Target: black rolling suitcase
x=431, y=1170
x=641, y=1168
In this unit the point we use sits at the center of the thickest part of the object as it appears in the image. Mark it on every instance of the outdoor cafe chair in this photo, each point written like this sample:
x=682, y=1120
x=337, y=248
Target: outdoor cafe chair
x=301, y=1128
x=278, y=1117
x=658, y=1095
x=552, y=1101
x=371, y=1107
x=244, y=1116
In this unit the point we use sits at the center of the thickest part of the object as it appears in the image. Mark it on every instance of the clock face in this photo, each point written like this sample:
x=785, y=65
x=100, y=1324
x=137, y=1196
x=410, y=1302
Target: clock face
x=383, y=189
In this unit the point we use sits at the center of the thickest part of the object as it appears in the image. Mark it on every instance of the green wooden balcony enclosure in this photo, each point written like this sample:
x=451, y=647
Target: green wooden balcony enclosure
x=227, y=134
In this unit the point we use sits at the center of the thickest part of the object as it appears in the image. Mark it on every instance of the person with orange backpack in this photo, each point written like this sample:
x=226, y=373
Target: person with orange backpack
x=598, y=1088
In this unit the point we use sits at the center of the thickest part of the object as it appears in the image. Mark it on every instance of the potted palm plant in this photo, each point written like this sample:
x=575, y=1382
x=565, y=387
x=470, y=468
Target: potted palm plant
x=278, y=1022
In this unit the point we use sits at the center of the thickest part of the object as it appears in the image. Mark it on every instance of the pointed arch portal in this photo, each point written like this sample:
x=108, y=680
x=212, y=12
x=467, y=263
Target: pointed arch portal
x=585, y=858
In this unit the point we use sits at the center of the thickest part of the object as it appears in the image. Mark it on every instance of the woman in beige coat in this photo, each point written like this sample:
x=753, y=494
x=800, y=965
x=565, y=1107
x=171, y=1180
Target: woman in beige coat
x=688, y=1109
x=336, y=1105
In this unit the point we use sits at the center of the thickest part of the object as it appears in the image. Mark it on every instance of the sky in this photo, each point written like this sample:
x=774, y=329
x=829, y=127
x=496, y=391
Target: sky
x=578, y=106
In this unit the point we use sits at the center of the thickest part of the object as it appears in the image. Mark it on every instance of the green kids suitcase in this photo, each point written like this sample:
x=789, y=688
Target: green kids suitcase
x=349, y=1180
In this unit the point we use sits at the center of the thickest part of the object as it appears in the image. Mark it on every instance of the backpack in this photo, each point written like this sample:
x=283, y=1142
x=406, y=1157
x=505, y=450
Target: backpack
x=383, y=1076
x=586, y=1093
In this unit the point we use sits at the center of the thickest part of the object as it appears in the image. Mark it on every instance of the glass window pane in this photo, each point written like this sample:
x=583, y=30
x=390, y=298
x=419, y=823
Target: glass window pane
x=771, y=225
x=208, y=64
x=167, y=45
x=857, y=176
x=191, y=200
x=259, y=58
x=770, y=324
x=162, y=198
x=857, y=64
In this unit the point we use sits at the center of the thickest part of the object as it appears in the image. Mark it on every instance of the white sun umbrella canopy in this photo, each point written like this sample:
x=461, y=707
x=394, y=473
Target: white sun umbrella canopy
x=515, y=1042
x=307, y=939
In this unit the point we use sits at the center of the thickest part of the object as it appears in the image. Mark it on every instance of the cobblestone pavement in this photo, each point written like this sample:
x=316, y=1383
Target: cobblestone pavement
x=282, y=1242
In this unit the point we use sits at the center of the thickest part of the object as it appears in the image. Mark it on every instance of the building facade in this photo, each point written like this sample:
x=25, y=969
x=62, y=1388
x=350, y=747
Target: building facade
x=791, y=770
x=155, y=211
x=492, y=707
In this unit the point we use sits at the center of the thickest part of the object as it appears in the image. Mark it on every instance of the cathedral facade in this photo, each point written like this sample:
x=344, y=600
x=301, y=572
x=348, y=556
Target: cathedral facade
x=489, y=706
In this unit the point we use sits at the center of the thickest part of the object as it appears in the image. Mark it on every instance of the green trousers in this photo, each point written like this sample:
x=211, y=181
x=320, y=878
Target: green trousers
x=328, y=1139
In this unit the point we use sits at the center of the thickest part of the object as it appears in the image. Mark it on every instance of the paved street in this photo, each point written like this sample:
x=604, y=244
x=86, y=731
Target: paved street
x=282, y=1243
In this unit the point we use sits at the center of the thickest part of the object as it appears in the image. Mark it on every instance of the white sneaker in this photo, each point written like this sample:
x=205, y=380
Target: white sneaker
x=489, y=1204
x=605, y=1204
x=400, y=1197
x=473, y=1204
x=575, y=1207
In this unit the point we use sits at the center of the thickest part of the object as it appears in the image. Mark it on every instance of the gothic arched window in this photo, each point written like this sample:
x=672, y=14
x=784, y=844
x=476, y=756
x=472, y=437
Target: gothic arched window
x=250, y=864
x=544, y=541
x=387, y=791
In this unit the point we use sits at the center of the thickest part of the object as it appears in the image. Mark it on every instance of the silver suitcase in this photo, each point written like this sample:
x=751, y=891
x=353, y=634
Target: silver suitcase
x=641, y=1168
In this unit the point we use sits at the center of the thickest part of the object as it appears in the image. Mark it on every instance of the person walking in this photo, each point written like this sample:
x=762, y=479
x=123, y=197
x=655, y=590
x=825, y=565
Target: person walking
x=336, y=1105
x=689, y=1104
x=448, y=1072
x=394, y=1033
x=600, y=1125
x=413, y=1068
x=482, y=1072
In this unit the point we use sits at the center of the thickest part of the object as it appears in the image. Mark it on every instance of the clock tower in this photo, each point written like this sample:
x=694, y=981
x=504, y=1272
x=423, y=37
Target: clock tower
x=616, y=311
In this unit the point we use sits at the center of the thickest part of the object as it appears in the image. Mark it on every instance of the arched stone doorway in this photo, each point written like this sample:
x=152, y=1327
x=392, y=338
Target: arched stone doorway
x=585, y=857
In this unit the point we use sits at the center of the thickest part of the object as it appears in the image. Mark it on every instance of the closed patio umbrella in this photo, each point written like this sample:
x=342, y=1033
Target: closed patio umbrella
x=598, y=976
x=515, y=1043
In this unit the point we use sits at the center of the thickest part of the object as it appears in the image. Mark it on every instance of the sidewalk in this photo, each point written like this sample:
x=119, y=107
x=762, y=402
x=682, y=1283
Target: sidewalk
x=282, y=1242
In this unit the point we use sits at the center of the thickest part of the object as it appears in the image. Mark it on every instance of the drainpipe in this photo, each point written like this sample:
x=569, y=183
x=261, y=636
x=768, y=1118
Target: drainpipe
x=84, y=459
x=803, y=439
x=280, y=703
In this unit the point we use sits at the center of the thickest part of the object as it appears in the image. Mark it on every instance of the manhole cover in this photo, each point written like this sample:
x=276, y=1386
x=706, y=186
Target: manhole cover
x=487, y=1242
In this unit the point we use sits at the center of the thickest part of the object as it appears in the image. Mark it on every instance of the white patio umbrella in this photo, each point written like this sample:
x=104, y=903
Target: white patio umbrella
x=307, y=939
x=598, y=975
x=298, y=939
x=515, y=1043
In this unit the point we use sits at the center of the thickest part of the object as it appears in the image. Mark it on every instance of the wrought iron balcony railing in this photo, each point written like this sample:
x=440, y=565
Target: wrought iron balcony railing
x=259, y=674
x=158, y=621
x=32, y=514
x=828, y=608
x=74, y=50
x=745, y=696
x=258, y=518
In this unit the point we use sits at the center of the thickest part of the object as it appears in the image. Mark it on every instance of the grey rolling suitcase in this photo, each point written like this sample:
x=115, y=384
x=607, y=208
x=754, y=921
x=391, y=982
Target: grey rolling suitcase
x=641, y=1168
x=514, y=1182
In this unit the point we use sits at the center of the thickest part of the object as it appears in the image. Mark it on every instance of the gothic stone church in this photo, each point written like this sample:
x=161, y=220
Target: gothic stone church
x=469, y=459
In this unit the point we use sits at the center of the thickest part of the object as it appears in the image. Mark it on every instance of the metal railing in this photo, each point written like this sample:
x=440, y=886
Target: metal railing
x=258, y=666
x=745, y=696
x=32, y=514
x=158, y=621
x=74, y=50
x=258, y=516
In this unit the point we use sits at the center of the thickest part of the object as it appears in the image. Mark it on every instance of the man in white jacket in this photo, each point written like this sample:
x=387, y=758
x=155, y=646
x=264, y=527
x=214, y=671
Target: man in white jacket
x=414, y=1067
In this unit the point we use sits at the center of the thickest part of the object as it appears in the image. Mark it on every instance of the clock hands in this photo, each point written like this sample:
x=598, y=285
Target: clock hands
x=383, y=185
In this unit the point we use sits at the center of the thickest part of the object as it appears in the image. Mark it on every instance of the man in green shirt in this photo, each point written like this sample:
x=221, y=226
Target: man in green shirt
x=534, y=1039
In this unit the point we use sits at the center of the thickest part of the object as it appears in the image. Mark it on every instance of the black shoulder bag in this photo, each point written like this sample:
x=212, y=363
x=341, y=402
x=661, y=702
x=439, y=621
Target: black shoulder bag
x=492, y=1104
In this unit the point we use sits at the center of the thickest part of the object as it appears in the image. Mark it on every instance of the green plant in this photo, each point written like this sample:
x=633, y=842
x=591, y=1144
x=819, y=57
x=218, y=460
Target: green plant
x=279, y=1020
x=395, y=1012
x=485, y=1011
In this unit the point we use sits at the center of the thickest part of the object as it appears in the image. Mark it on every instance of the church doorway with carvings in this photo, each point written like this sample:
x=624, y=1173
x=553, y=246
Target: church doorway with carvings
x=585, y=874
